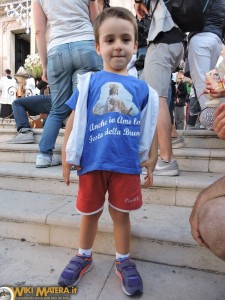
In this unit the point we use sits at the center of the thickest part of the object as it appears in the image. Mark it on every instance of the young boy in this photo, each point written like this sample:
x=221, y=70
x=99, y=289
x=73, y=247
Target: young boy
x=113, y=130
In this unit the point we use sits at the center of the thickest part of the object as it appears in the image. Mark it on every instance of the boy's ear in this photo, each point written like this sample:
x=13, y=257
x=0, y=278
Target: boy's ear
x=97, y=47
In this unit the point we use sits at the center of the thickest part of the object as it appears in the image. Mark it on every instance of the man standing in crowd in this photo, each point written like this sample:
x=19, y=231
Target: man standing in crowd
x=203, y=53
x=180, y=101
x=164, y=53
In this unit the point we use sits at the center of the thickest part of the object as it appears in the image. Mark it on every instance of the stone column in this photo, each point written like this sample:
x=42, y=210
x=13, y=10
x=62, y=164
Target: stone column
x=32, y=33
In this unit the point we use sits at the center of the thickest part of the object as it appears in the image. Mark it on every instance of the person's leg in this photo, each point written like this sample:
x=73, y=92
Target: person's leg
x=88, y=230
x=34, y=105
x=130, y=280
x=179, y=118
x=164, y=128
x=60, y=70
x=160, y=61
x=203, y=53
x=124, y=196
x=212, y=225
x=121, y=230
x=90, y=202
x=82, y=262
x=176, y=116
x=181, y=114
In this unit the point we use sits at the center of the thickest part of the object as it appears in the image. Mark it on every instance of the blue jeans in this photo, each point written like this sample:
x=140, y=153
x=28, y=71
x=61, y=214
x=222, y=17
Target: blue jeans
x=64, y=63
x=34, y=105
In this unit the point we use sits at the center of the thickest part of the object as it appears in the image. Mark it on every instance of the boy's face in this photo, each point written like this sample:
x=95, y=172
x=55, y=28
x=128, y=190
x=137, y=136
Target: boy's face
x=116, y=44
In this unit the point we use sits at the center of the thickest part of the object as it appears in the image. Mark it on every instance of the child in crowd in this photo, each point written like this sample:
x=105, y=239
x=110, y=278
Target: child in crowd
x=109, y=137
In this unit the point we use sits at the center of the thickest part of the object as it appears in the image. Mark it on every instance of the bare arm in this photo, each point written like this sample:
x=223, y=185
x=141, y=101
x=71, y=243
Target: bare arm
x=93, y=10
x=219, y=122
x=100, y=5
x=150, y=163
x=141, y=10
x=40, y=23
x=215, y=190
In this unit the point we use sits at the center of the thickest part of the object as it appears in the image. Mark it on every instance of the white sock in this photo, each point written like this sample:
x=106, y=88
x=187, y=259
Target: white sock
x=85, y=252
x=120, y=256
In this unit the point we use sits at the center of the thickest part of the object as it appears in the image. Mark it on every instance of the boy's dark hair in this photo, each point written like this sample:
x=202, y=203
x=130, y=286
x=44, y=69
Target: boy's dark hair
x=114, y=12
x=7, y=71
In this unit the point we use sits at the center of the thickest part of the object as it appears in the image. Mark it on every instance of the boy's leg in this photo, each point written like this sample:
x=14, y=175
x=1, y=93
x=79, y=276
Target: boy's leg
x=88, y=230
x=82, y=262
x=121, y=230
x=126, y=269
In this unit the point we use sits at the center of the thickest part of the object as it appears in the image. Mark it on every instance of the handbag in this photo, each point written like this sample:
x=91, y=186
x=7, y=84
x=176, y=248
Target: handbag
x=195, y=108
x=144, y=25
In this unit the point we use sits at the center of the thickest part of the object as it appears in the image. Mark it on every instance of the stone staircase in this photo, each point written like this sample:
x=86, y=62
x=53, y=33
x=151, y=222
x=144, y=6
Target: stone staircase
x=37, y=206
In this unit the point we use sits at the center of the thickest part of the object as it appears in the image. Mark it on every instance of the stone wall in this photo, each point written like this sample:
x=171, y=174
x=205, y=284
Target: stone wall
x=129, y=4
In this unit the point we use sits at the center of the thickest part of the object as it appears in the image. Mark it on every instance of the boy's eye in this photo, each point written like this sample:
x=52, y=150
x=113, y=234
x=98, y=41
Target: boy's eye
x=126, y=40
x=109, y=41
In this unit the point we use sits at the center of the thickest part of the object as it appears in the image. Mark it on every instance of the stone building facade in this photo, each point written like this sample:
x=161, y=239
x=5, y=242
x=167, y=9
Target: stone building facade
x=16, y=44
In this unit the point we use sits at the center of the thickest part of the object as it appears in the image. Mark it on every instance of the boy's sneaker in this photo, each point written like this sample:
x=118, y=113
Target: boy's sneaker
x=178, y=142
x=26, y=137
x=163, y=168
x=73, y=272
x=45, y=161
x=130, y=278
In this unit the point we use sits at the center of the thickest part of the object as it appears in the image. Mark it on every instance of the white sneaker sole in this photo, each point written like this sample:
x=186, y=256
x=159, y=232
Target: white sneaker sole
x=178, y=145
x=166, y=172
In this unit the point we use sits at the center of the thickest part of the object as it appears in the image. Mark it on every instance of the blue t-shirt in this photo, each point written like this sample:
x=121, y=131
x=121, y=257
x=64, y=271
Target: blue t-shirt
x=112, y=136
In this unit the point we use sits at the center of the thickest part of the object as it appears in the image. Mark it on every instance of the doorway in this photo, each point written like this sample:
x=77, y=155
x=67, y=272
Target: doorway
x=22, y=49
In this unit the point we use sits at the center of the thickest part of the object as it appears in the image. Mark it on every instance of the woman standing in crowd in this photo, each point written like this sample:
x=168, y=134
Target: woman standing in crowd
x=70, y=51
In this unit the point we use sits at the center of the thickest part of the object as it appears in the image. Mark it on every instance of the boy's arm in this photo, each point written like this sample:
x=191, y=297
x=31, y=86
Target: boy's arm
x=150, y=163
x=66, y=167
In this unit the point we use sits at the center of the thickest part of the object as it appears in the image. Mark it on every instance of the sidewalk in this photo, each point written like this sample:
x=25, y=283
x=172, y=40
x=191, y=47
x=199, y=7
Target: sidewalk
x=31, y=264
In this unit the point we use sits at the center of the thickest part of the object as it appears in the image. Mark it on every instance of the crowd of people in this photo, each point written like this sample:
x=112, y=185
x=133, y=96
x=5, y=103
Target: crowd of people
x=116, y=122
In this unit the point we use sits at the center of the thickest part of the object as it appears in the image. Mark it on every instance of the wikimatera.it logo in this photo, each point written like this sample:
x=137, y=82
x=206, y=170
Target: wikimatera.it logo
x=37, y=293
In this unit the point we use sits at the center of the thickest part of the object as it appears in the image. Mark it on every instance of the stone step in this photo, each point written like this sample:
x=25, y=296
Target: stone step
x=189, y=159
x=193, y=138
x=202, y=139
x=159, y=233
x=7, y=134
x=176, y=191
x=7, y=123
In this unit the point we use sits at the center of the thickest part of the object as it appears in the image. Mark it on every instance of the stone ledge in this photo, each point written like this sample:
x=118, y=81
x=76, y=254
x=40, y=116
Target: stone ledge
x=159, y=233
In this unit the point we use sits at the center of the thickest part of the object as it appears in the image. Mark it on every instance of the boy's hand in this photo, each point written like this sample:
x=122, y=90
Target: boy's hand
x=66, y=172
x=149, y=165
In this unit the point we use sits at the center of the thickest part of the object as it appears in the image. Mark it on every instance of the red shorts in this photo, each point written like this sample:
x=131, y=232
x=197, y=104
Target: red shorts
x=124, y=191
